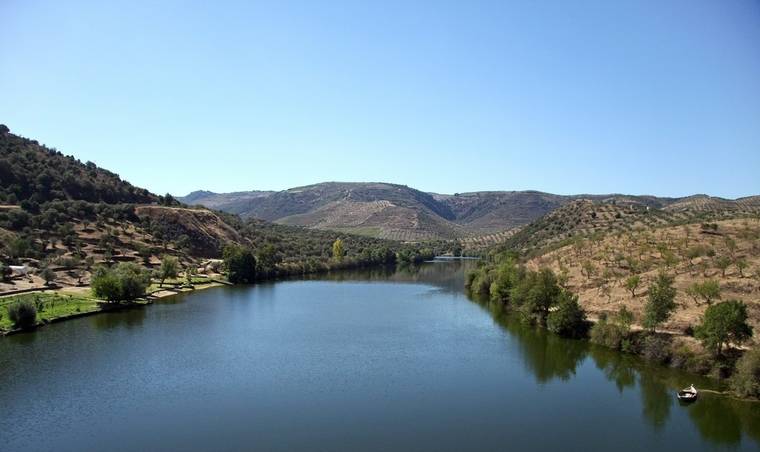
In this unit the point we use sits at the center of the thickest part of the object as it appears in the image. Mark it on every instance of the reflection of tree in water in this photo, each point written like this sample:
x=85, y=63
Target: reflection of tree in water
x=715, y=420
x=719, y=419
x=616, y=367
x=130, y=317
x=546, y=355
x=446, y=275
x=655, y=399
x=749, y=414
x=621, y=369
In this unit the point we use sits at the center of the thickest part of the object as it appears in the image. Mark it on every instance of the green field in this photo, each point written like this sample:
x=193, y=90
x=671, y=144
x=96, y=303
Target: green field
x=50, y=305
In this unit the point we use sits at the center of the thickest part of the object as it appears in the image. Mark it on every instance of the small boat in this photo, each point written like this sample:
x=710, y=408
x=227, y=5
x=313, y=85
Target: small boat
x=688, y=394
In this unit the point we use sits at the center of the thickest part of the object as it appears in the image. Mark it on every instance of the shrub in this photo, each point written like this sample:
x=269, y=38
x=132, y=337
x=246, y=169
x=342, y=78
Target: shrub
x=746, y=379
x=656, y=348
x=47, y=275
x=682, y=357
x=606, y=334
x=22, y=313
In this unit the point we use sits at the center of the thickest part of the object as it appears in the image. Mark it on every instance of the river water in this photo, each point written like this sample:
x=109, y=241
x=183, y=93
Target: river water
x=370, y=360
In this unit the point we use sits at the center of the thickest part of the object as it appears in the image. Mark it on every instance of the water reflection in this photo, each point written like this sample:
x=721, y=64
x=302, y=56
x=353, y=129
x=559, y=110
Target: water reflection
x=447, y=275
x=718, y=418
x=262, y=343
x=616, y=367
x=656, y=400
x=130, y=318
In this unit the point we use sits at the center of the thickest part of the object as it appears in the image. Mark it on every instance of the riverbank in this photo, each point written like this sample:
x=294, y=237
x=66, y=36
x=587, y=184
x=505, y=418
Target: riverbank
x=56, y=305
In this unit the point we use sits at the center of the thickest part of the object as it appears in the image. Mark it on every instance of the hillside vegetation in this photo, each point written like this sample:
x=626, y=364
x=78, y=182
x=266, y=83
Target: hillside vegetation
x=62, y=219
x=659, y=285
x=590, y=219
x=724, y=253
x=32, y=174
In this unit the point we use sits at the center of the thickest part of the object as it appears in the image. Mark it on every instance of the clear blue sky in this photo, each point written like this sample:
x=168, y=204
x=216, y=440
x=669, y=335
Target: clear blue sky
x=659, y=96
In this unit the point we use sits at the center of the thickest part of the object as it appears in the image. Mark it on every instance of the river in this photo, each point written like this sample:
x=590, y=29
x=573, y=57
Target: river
x=366, y=360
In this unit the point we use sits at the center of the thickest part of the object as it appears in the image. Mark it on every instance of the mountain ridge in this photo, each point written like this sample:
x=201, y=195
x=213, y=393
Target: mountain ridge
x=400, y=212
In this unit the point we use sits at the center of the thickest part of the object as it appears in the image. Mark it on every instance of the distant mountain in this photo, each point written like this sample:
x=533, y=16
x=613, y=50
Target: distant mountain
x=237, y=203
x=400, y=212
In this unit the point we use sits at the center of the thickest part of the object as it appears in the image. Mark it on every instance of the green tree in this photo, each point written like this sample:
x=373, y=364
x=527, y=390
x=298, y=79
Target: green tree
x=126, y=281
x=588, y=269
x=504, y=279
x=568, y=319
x=169, y=269
x=724, y=323
x=456, y=249
x=731, y=245
x=267, y=260
x=632, y=283
x=661, y=302
x=337, y=250
x=535, y=294
x=741, y=265
x=708, y=291
x=240, y=264
x=722, y=263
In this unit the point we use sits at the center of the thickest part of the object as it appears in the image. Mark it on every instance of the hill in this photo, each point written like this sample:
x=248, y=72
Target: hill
x=60, y=214
x=595, y=246
x=584, y=218
x=378, y=210
x=724, y=251
x=399, y=212
x=36, y=174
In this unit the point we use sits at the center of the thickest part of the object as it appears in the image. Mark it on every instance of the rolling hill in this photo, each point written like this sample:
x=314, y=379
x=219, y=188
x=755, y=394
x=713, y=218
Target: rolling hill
x=400, y=212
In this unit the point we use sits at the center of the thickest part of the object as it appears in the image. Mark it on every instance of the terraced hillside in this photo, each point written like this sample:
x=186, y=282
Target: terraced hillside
x=586, y=218
x=725, y=253
x=483, y=242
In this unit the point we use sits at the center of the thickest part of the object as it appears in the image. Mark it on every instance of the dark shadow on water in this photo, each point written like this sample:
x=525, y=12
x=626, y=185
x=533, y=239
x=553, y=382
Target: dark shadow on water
x=131, y=317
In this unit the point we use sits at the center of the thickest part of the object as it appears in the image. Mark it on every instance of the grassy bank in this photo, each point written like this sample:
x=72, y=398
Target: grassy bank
x=51, y=305
x=72, y=302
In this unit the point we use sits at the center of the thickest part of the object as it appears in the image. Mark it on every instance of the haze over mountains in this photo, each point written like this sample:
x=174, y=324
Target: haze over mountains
x=400, y=212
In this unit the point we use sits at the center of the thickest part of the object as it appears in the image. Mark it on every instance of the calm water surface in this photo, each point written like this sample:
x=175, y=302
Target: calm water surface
x=358, y=361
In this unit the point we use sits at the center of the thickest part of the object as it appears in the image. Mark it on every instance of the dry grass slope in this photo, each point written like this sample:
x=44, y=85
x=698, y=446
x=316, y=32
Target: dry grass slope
x=726, y=251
